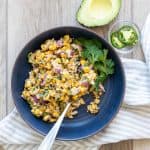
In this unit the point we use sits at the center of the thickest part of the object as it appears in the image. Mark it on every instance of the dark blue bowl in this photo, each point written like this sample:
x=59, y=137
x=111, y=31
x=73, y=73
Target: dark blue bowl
x=84, y=124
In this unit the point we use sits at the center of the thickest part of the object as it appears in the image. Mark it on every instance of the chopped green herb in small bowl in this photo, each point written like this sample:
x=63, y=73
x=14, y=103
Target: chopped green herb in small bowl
x=124, y=36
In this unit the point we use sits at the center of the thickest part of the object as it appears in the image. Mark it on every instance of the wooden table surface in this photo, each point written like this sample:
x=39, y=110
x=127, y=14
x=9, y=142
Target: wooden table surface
x=21, y=20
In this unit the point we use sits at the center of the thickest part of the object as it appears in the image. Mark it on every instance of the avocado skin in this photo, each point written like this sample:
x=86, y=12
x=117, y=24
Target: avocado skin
x=92, y=26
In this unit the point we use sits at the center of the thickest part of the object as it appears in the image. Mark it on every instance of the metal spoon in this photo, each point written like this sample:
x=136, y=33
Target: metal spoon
x=50, y=137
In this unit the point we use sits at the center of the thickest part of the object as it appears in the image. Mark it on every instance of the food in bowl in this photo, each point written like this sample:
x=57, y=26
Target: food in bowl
x=64, y=71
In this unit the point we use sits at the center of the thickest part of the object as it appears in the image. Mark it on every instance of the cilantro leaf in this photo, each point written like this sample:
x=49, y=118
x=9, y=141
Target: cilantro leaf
x=98, y=57
x=91, y=53
x=88, y=42
x=100, y=79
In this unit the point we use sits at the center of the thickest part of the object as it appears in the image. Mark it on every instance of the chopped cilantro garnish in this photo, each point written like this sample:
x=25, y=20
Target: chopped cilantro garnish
x=98, y=57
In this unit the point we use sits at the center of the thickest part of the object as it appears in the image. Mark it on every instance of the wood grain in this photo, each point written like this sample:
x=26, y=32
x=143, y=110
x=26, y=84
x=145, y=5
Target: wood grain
x=141, y=145
x=1, y=148
x=27, y=18
x=3, y=54
x=125, y=145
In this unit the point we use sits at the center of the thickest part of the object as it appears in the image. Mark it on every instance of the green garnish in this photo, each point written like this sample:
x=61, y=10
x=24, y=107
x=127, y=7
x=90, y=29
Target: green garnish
x=116, y=41
x=128, y=35
x=98, y=57
x=125, y=36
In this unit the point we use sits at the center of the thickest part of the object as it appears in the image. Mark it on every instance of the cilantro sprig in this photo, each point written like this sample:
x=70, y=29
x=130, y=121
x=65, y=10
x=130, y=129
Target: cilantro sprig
x=98, y=57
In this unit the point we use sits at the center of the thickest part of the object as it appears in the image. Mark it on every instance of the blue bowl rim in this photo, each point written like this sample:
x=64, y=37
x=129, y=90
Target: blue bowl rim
x=122, y=69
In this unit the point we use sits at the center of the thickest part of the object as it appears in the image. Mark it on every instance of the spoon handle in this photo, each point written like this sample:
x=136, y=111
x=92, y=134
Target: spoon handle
x=50, y=137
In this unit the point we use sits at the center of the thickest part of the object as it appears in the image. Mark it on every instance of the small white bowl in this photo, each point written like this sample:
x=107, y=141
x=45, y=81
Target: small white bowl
x=116, y=26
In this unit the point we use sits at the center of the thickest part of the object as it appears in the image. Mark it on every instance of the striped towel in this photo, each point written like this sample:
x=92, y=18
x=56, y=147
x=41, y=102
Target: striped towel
x=132, y=121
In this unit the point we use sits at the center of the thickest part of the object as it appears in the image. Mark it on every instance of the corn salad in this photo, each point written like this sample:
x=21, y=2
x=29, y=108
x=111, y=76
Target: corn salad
x=59, y=75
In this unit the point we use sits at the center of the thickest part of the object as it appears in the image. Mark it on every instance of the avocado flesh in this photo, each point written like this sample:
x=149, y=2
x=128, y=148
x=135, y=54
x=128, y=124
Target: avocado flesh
x=97, y=12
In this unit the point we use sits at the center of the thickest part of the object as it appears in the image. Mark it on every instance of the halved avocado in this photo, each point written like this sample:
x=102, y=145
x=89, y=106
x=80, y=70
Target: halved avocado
x=97, y=12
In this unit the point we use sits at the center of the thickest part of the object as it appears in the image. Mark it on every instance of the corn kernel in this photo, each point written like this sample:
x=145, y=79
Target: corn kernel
x=47, y=110
x=53, y=47
x=83, y=62
x=46, y=118
x=66, y=98
x=62, y=97
x=75, y=97
x=97, y=101
x=52, y=119
x=82, y=89
x=66, y=38
x=52, y=93
x=58, y=60
x=86, y=69
x=44, y=47
x=55, y=114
